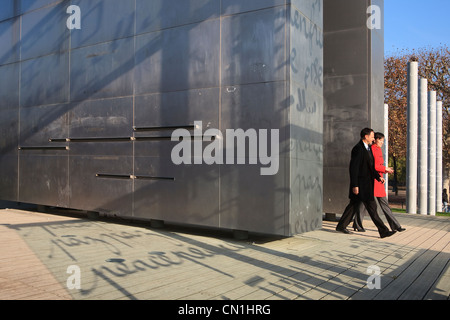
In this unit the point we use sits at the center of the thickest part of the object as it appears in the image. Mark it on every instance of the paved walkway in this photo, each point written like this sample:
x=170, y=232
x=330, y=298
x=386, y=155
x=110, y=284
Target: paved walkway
x=42, y=254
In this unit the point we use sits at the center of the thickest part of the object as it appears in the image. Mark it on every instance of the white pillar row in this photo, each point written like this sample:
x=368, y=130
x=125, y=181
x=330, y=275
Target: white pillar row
x=411, y=150
x=439, y=167
x=386, y=145
x=423, y=148
x=432, y=153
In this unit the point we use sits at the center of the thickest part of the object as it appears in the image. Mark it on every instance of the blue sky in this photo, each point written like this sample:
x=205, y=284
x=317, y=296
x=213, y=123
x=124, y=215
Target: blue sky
x=414, y=24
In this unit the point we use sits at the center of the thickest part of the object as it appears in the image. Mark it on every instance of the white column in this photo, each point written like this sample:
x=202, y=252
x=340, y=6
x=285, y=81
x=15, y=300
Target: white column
x=386, y=145
x=432, y=153
x=423, y=147
x=411, y=150
x=439, y=146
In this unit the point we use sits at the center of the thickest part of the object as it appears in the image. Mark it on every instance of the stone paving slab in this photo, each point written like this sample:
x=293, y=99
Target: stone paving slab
x=131, y=261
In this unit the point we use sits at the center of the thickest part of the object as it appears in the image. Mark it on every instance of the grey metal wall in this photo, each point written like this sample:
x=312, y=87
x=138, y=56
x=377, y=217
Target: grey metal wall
x=353, y=90
x=138, y=64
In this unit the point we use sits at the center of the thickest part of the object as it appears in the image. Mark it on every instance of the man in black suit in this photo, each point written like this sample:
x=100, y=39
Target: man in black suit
x=362, y=176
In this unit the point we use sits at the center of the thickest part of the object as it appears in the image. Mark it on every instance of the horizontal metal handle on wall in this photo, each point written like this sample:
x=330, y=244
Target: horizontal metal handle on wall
x=58, y=140
x=113, y=176
x=44, y=148
x=163, y=128
x=133, y=177
x=113, y=139
x=160, y=138
x=126, y=139
x=168, y=138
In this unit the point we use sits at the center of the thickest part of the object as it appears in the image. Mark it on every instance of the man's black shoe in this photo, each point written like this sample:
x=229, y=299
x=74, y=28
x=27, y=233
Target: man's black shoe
x=387, y=234
x=342, y=230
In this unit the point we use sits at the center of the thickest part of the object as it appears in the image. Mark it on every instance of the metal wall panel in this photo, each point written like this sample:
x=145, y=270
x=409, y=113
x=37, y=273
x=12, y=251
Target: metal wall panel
x=243, y=188
x=306, y=190
x=312, y=9
x=347, y=98
x=103, y=21
x=101, y=127
x=43, y=177
x=40, y=36
x=9, y=128
x=40, y=124
x=249, y=201
x=253, y=47
x=185, y=194
x=9, y=171
x=306, y=41
x=96, y=183
x=43, y=165
x=352, y=61
x=159, y=14
x=30, y=5
x=232, y=7
x=171, y=110
x=306, y=117
x=45, y=80
x=9, y=86
x=9, y=40
x=8, y=9
x=255, y=106
x=102, y=71
x=178, y=59
x=106, y=118
x=178, y=108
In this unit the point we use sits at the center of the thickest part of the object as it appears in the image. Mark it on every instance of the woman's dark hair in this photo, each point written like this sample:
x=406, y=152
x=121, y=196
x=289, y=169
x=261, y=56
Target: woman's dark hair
x=379, y=135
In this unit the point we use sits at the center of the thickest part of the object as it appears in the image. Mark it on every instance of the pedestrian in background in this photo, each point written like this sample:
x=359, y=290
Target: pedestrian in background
x=445, y=201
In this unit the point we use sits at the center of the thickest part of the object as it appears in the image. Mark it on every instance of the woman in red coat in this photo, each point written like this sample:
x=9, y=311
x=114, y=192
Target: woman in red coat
x=379, y=188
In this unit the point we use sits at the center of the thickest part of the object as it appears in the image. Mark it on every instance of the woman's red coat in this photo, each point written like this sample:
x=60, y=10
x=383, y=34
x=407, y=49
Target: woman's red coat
x=379, y=188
